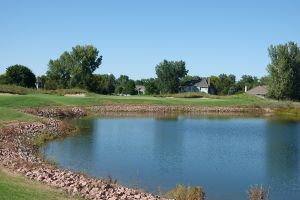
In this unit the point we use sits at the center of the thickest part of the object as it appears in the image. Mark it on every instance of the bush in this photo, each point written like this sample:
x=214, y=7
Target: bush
x=21, y=76
x=191, y=193
x=3, y=79
x=50, y=84
x=258, y=193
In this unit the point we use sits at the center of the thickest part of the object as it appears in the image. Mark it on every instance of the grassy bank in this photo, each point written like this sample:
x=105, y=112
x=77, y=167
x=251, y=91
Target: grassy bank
x=15, y=187
x=43, y=100
x=9, y=105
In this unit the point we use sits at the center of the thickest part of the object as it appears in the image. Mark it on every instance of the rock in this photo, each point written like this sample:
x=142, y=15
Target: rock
x=94, y=191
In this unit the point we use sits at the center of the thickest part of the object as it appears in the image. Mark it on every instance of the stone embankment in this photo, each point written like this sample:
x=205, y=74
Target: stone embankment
x=18, y=154
x=56, y=112
x=178, y=109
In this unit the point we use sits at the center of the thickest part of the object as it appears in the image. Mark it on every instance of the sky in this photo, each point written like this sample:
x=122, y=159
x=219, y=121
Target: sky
x=133, y=36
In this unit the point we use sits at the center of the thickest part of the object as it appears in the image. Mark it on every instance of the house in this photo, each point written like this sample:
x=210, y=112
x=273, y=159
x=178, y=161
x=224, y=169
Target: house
x=202, y=85
x=260, y=91
x=140, y=89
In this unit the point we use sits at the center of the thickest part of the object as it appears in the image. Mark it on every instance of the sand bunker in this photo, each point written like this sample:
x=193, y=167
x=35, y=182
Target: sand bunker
x=75, y=95
x=6, y=94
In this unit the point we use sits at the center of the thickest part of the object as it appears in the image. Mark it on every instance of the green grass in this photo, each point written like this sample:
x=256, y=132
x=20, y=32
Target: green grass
x=45, y=100
x=15, y=187
x=9, y=105
x=8, y=115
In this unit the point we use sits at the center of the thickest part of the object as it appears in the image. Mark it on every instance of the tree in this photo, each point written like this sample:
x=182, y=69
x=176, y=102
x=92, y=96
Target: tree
x=151, y=86
x=130, y=88
x=125, y=85
x=247, y=80
x=169, y=74
x=102, y=84
x=140, y=82
x=265, y=80
x=20, y=75
x=223, y=83
x=284, y=71
x=59, y=70
x=3, y=79
x=188, y=78
x=75, y=68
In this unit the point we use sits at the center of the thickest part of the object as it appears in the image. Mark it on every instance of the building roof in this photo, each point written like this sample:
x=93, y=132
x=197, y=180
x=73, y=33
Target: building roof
x=259, y=90
x=203, y=83
x=140, y=87
x=191, y=83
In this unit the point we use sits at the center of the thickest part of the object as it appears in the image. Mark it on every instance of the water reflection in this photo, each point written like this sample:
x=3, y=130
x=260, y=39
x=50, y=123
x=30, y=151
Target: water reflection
x=282, y=160
x=167, y=145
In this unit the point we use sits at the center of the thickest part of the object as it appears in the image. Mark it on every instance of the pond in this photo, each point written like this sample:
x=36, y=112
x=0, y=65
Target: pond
x=223, y=155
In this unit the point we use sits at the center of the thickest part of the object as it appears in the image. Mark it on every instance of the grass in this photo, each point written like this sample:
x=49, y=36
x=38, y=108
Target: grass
x=9, y=115
x=14, y=89
x=9, y=105
x=44, y=100
x=15, y=187
x=42, y=139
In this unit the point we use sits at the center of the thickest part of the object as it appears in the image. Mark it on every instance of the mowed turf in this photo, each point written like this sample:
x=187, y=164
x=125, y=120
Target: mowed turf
x=45, y=100
x=15, y=187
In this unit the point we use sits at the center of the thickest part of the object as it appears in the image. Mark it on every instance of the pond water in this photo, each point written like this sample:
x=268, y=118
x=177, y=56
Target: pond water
x=225, y=156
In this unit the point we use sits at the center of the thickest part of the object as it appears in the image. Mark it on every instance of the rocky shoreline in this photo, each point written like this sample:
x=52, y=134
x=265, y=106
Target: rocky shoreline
x=18, y=153
x=179, y=109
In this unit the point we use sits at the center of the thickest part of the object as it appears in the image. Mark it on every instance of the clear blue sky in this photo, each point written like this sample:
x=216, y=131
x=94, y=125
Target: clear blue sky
x=213, y=37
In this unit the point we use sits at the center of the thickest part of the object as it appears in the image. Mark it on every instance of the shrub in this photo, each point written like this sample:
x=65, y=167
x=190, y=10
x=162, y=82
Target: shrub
x=191, y=193
x=258, y=193
x=195, y=193
x=3, y=79
x=20, y=75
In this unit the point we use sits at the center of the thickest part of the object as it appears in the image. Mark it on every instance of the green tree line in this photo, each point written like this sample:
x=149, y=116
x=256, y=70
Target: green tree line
x=75, y=69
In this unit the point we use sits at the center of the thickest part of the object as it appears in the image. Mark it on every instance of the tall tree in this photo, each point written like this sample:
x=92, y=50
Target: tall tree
x=188, y=78
x=284, y=71
x=130, y=88
x=151, y=86
x=20, y=75
x=247, y=80
x=3, y=79
x=169, y=74
x=125, y=85
x=225, y=84
x=74, y=68
x=264, y=80
x=102, y=84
